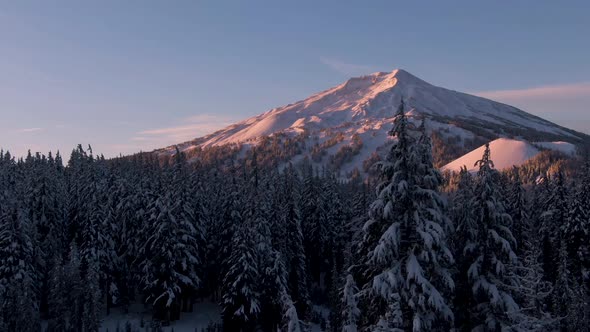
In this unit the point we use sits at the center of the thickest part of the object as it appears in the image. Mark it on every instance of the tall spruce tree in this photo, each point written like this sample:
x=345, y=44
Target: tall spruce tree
x=492, y=249
x=407, y=263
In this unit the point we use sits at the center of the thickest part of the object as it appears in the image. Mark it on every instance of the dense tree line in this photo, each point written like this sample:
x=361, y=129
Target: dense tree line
x=407, y=250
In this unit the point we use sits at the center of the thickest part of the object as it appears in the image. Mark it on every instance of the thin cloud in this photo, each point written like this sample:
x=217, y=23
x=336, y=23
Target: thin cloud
x=195, y=126
x=349, y=69
x=29, y=130
x=549, y=92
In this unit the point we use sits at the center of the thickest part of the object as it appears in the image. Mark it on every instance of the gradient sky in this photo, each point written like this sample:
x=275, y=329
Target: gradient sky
x=135, y=75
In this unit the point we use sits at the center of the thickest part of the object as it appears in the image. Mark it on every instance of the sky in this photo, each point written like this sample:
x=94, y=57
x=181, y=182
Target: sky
x=134, y=75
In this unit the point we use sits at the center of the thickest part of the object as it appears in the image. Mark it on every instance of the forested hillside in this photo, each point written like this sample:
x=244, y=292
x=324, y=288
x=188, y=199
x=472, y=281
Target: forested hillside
x=407, y=249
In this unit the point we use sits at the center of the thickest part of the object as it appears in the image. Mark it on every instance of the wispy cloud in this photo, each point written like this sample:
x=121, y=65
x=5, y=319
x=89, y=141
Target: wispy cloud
x=191, y=128
x=548, y=92
x=565, y=104
x=349, y=69
x=29, y=130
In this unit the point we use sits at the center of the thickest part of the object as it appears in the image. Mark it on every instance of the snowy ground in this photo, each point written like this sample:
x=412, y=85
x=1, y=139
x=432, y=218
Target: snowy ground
x=322, y=311
x=204, y=313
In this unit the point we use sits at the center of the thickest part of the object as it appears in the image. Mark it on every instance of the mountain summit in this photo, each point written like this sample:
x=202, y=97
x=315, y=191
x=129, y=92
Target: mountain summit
x=363, y=108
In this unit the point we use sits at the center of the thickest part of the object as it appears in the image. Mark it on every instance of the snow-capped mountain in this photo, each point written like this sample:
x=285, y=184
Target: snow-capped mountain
x=362, y=109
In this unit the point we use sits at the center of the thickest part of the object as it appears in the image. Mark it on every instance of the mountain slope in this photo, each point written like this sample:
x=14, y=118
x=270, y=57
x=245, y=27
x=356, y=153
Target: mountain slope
x=361, y=109
x=506, y=153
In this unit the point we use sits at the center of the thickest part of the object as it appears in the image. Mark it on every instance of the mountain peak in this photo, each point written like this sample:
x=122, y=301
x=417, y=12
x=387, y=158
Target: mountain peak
x=381, y=81
x=405, y=76
x=366, y=106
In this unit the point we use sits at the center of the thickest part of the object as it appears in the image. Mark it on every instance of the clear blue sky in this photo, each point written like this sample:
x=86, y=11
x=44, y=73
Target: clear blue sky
x=131, y=75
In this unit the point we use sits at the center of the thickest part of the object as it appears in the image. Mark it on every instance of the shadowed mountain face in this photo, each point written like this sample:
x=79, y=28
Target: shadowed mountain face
x=362, y=109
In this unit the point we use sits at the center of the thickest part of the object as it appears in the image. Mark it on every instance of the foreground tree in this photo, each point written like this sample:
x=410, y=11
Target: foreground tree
x=492, y=252
x=408, y=258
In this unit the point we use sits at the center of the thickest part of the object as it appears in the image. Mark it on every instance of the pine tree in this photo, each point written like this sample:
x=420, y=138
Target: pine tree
x=463, y=214
x=565, y=292
x=188, y=214
x=291, y=318
x=273, y=291
x=488, y=273
x=554, y=214
x=56, y=298
x=351, y=312
x=310, y=221
x=532, y=291
x=576, y=231
x=408, y=260
x=517, y=208
x=17, y=289
x=223, y=229
x=241, y=299
x=91, y=298
x=169, y=264
x=66, y=296
x=297, y=267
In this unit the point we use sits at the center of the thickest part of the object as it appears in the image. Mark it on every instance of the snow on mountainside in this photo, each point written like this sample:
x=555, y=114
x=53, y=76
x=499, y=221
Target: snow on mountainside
x=506, y=153
x=363, y=108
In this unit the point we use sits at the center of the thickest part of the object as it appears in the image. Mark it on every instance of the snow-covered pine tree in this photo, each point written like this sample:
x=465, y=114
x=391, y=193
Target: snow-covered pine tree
x=295, y=251
x=310, y=216
x=56, y=297
x=224, y=226
x=350, y=311
x=566, y=295
x=332, y=220
x=67, y=294
x=407, y=262
x=91, y=298
x=187, y=211
x=488, y=273
x=274, y=291
x=73, y=292
x=18, y=304
x=121, y=217
x=291, y=318
x=576, y=232
x=432, y=209
x=168, y=264
x=532, y=291
x=553, y=216
x=241, y=298
x=43, y=196
x=463, y=215
x=517, y=207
